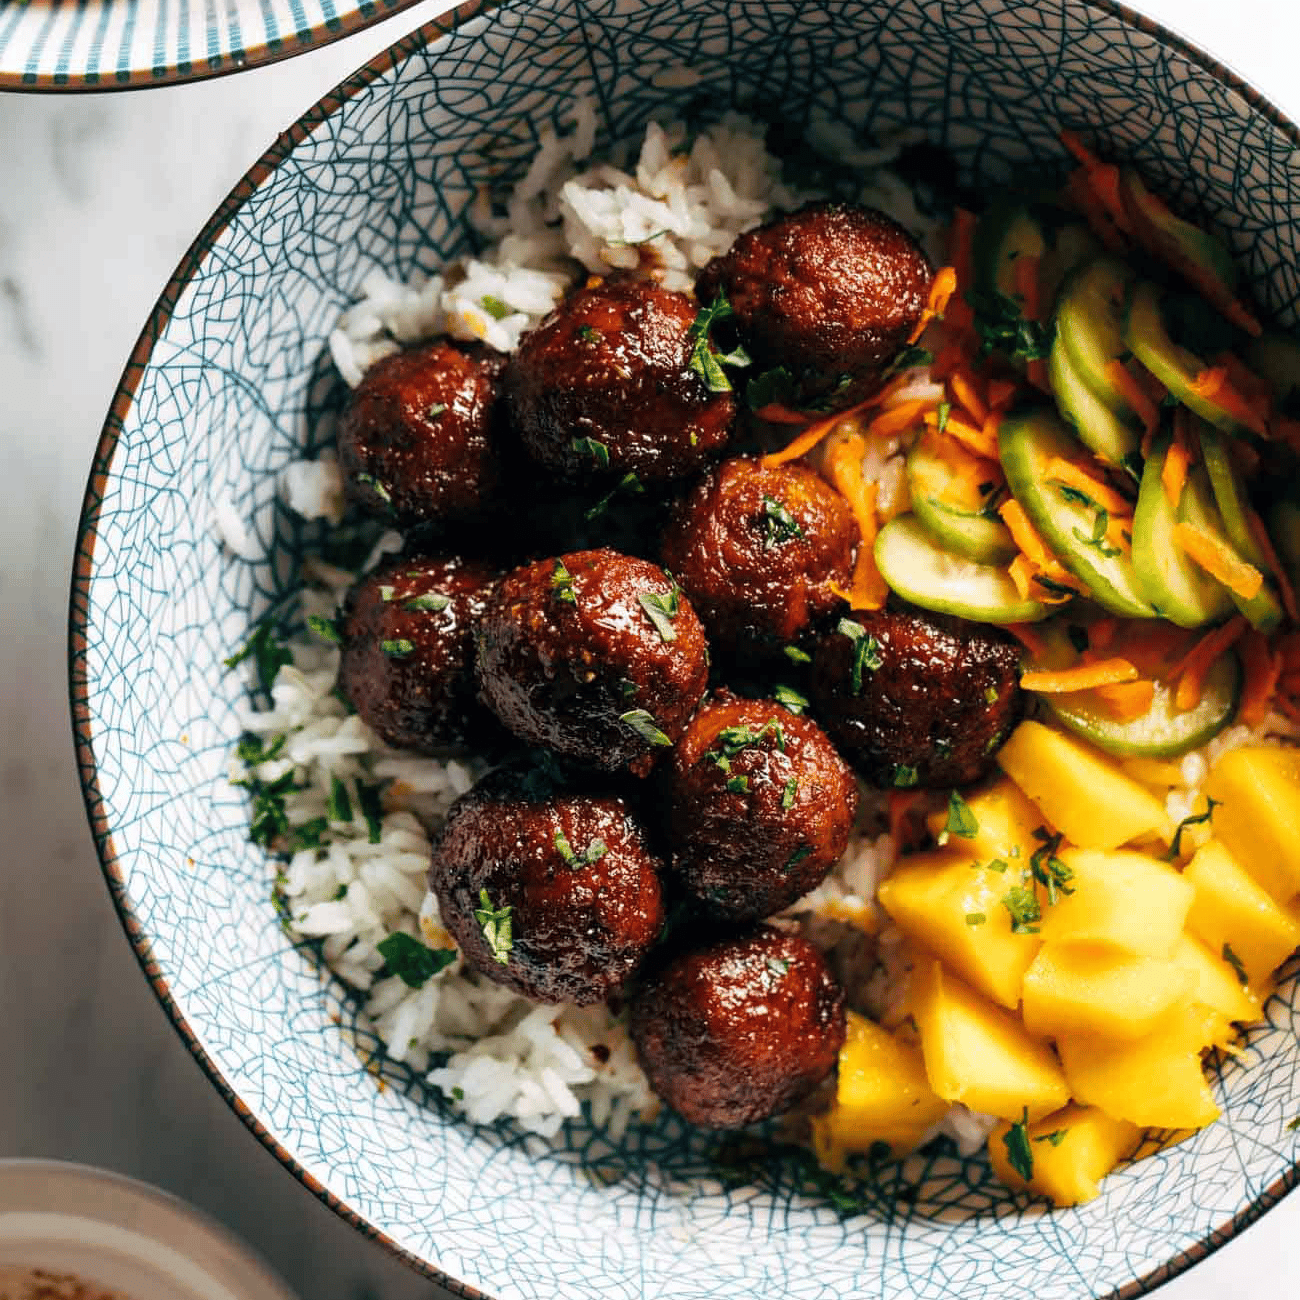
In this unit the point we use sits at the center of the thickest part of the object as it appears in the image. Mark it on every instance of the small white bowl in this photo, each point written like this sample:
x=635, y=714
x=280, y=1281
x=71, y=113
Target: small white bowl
x=122, y=1236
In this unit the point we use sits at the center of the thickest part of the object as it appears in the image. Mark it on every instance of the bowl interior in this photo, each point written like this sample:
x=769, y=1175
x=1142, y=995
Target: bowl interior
x=232, y=380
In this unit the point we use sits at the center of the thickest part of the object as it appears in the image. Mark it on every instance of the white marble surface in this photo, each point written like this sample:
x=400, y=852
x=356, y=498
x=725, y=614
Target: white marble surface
x=99, y=197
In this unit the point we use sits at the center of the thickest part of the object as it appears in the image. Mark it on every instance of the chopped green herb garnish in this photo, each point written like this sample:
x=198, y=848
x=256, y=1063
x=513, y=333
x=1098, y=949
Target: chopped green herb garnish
x=1056, y=1137
x=413, y=962
x=975, y=918
x=458, y=1093
x=370, y=481
x=589, y=334
x=372, y=808
x=1293, y=1125
x=562, y=583
x=398, y=648
x=1020, y=1155
x=594, y=448
x=797, y=656
x=430, y=602
x=866, y=651
x=340, y=893
x=788, y=794
x=738, y=785
x=386, y=593
x=705, y=361
x=437, y=409
x=1100, y=523
x=269, y=822
x=1235, y=962
x=307, y=835
x=731, y=740
x=778, y=965
x=661, y=610
x=338, y=805
x=997, y=864
x=789, y=698
x=494, y=307
x=266, y=651
x=961, y=821
x=1023, y=905
x=779, y=525
x=1073, y=495
x=1003, y=327
x=496, y=926
x=643, y=723
x=942, y=413
x=770, y=388
x=592, y=853
x=629, y=483
x=1176, y=846
x=1047, y=868
x=905, y=777
x=326, y=628
x=252, y=752
x=803, y=851
x=990, y=695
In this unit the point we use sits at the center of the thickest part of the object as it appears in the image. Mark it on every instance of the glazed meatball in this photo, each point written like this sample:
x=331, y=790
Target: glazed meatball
x=830, y=293
x=759, y=552
x=408, y=645
x=603, y=388
x=594, y=655
x=739, y=1028
x=917, y=699
x=552, y=893
x=760, y=807
x=417, y=442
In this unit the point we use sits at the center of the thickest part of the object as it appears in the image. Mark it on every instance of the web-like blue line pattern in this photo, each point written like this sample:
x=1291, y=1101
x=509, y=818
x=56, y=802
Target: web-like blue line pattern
x=237, y=382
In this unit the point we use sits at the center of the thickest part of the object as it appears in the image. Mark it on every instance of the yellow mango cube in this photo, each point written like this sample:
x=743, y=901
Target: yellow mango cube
x=1072, y=1151
x=1125, y=899
x=1089, y=989
x=1159, y=774
x=977, y=1054
x=1081, y=791
x=1231, y=913
x=881, y=1095
x=1258, y=817
x=1005, y=821
x=953, y=907
x=1154, y=1082
x=1216, y=984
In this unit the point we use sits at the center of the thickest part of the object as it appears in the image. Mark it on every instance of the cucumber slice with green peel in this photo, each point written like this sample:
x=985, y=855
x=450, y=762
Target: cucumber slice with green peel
x=1027, y=442
x=1006, y=232
x=1174, y=366
x=1072, y=245
x=970, y=533
x=1275, y=358
x=921, y=571
x=1090, y=323
x=1163, y=731
x=1097, y=426
x=1170, y=579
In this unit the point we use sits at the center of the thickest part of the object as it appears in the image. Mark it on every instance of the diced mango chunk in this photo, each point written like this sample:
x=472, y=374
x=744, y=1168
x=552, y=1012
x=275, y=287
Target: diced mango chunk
x=1079, y=790
x=977, y=1054
x=1161, y=774
x=1156, y=1081
x=881, y=1095
x=1072, y=1151
x=1124, y=899
x=1217, y=985
x=1005, y=822
x=1233, y=914
x=1089, y=989
x=1258, y=818
x=953, y=908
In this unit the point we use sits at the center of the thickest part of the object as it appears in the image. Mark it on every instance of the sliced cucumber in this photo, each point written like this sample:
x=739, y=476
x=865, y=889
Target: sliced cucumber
x=920, y=570
x=1163, y=731
x=1006, y=232
x=1263, y=610
x=1175, y=367
x=1098, y=427
x=1174, y=583
x=1027, y=442
x=1072, y=245
x=969, y=533
x=1090, y=324
x=1275, y=358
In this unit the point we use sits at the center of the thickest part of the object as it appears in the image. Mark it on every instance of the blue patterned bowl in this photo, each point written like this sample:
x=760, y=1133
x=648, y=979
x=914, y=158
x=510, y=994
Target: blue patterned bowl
x=225, y=387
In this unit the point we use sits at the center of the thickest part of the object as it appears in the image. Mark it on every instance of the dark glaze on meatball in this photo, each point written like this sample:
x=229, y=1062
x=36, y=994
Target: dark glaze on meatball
x=760, y=807
x=603, y=388
x=417, y=442
x=739, y=1028
x=408, y=646
x=582, y=887
x=758, y=550
x=831, y=293
x=917, y=699
x=570, y=658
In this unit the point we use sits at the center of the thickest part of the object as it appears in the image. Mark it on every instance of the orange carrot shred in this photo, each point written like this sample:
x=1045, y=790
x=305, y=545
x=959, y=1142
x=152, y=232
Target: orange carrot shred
x=775, y=413
x=1025, y=535
x=961, y=240
x=804, y=442
x=1036, y=373
x=1191, y=669
x=1031, y=640
x=1133, y=393
x=1101, y=634
x=962, y=384
x=1021, y=573
x=942, y=288
x=844, y=464
x=1219, y=560
x=1001, y=393
x=1265, y=544
x=1060, y=470
x=1261, y=669
x=1213, y=384
x=975, y=440
x=1085, y=677
x=898, y=418
x=1128, y=700
x=1173, y=474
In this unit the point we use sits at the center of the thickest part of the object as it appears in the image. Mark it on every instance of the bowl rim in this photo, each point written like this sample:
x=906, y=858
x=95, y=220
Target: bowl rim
x=384, y=62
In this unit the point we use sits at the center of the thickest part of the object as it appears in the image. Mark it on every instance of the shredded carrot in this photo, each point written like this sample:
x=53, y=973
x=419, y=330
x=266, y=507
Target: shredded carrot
x=1103, y=181
x=1085, y=677
x=898, y=418
x=961, y=241
x=1219, y=560
x=1262, y=668
x=1026, y=280
x=1024, y=633
x=1025, y=535
x=1265, y=544
x=1173, y=474
x=844, y=465
x=962, y=384
x=975, y=440
x=1153, y=645
x=942, y=288
x=1213, y=385
x=1102, y=633
x=1128, y=700
x=804, y=442
x=1036, y=373
x=775, y=413
x=1149, y=384
x=1133, y=393
x=1100, y=221
x=1021, y=573
x=1148, y=438
x=1001, y=393
x=1060, y=470
x=1191, y=669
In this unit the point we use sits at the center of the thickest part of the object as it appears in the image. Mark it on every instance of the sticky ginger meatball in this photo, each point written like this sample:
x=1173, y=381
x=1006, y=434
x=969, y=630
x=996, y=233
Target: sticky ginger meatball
x=594, y=655
x=739, y=1028
x=760, y=807
x=604, y=387
x=408, y=645
x=550, y=892
x=418, y=441
x=829, y=293
x=759, y=551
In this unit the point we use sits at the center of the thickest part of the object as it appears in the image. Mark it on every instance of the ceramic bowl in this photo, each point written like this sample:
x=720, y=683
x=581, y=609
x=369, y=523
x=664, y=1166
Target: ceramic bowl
x=230, y=380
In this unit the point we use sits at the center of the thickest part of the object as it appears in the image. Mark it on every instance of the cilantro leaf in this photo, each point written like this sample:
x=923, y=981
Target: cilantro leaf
x=1235, y=962
x=496, y=926
x=642, y=722
x=267, y=652
x=594, y=448
x=789, y=698
x=325, y=628
x=430, y=602
x=866, y=651
x=1020, y=1155
x=1024, y=907
x=562, y=583
x=413, y=962
x=1176, y=845
x=779, y=525
x=704, y=359
x=661, y=610
x=961, y=821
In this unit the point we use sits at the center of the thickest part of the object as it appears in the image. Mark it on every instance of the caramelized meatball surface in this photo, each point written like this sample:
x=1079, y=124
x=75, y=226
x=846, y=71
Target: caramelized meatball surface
x=758, y=551
x=552, y=893
x=603, y=387
x=831, y=293
x=595, y=655
x=760, y=807
x=739, y=1028
x=408, y=646
x=417, y=442
x=917, y=699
